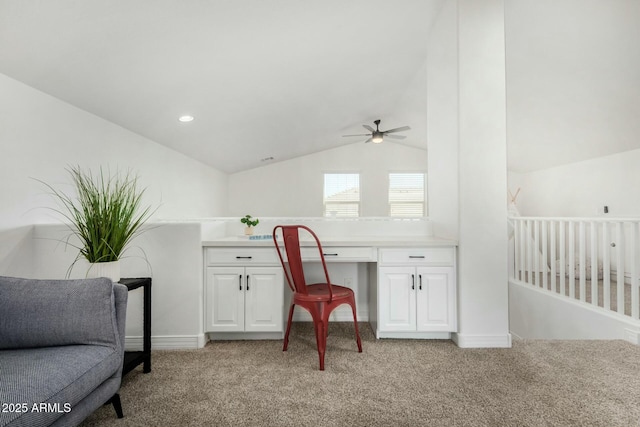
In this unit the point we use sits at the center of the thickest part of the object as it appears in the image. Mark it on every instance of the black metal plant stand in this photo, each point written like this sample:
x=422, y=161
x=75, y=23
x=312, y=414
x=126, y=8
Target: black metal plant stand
x=134, y=358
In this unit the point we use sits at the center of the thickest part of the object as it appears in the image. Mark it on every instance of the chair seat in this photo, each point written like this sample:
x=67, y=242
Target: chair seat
x=320, y=292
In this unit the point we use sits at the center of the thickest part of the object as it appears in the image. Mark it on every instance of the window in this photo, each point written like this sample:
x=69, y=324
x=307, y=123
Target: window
x=406, y=194
x=341, y=194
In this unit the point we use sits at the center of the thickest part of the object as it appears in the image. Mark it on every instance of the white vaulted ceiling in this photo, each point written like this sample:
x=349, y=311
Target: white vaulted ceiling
x=279, y=78
x=285, y=78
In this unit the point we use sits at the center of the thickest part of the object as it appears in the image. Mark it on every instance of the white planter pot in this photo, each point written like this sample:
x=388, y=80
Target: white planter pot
x=248, y=231
x=110, y=270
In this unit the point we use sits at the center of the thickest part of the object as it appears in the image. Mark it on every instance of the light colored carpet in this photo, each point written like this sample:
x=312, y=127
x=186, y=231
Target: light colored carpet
x=392, y=383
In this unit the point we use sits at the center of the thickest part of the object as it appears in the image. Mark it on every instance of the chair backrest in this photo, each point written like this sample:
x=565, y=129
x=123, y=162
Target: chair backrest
x=295, y=272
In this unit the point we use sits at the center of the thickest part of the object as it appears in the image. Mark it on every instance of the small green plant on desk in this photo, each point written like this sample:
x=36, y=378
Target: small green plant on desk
x=250, y=222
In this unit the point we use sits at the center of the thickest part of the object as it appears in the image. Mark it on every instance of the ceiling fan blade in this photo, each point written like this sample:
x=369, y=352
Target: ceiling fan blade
x=400, y=129
x=368, y=140
x=358, y=134
x=369, y=128
x=395, y=136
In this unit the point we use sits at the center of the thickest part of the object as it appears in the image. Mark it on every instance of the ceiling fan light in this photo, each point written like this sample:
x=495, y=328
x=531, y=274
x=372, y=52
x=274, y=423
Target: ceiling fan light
x=376, y=138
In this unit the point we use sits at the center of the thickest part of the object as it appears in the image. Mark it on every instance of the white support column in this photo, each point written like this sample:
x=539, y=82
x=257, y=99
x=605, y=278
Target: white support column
x=482, y=266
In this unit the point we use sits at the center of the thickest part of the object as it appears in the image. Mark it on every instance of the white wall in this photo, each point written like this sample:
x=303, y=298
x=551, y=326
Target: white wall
x=17, y=252
x=295, y=187
x=544, y=315
x=582, y=188
x=174, y=254
x=572, y=80
x=442, y=122
x=40, y=136
x=573, y=99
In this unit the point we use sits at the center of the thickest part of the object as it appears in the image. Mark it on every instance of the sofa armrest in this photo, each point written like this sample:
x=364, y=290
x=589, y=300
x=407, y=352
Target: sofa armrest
x=121, y=295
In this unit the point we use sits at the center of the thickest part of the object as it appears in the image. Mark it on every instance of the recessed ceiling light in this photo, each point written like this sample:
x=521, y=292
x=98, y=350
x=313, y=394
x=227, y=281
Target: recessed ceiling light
x=186, y=118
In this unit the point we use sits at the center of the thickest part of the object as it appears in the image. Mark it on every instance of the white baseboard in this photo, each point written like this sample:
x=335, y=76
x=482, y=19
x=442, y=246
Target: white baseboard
x=482, y=341
x=338, y=315
x=633, y=336
x=166, y=342
x=415, y=335
x=224, y=336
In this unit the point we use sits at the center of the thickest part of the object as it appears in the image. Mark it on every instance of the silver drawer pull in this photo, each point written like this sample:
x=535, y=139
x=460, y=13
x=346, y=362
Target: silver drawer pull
x=416, y=256
x=244, y=257
x=330, y=254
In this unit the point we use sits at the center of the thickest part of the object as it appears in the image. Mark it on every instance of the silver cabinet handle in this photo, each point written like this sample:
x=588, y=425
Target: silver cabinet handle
x=416, y=256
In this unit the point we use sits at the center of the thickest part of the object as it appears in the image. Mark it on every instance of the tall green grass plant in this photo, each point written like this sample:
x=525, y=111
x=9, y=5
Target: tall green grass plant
x=105, y=214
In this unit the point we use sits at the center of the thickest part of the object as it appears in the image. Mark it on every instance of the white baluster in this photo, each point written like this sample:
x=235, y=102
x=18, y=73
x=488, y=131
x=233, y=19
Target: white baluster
x=582, y=253
x=572, y=260
x=635, y=302
x=552, y=247
x=529, y=253
x=545, y=281
x=523, y=251
x=562, y=237
x=620, y=267
x=606, y=267
x=536, y=252
x=594, y=263
x=516, y=249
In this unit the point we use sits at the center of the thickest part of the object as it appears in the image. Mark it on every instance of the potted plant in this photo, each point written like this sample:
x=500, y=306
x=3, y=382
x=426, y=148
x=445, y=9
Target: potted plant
x=250, y=223
x=105, y=215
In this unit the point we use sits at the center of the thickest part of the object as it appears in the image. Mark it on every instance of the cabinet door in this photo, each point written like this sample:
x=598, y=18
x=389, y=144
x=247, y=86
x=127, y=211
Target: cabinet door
x=436, y=299
x=225, y=299
x=397, y=299
x=264, y=299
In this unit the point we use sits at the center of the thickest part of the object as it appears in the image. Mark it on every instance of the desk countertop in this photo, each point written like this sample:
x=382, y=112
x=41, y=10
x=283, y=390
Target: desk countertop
x=374, y=241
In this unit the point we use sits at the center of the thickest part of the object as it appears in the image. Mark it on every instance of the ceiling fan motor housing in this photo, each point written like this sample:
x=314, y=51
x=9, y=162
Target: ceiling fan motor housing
x=376, y=137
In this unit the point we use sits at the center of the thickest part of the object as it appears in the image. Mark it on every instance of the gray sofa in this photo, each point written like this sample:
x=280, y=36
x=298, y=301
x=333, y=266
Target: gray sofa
x=61, y=349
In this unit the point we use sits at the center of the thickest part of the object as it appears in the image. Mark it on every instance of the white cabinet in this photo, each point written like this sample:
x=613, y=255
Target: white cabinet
x=416, y=295
x=243, y=298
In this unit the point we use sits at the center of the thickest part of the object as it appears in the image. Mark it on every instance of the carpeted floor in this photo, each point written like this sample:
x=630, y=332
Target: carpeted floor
x=392, y=383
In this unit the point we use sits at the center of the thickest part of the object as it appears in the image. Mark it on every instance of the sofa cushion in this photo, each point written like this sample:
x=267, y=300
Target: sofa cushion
x=43, y=313
x=59, y=376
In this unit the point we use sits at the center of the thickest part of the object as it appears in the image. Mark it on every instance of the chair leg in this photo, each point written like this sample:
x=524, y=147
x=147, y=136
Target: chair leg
x=117, y=405
x=355, y=324
x=321, y=340
x=286, y=335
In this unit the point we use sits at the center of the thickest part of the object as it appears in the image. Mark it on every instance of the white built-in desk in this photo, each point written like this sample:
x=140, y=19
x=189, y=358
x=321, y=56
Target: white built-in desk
x=411, y=285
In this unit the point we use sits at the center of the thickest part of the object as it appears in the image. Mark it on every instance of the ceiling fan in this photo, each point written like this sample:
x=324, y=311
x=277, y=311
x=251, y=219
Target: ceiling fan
x=376, y=136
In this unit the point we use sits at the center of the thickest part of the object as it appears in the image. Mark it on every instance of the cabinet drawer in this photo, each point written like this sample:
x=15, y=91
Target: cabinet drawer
x=418, y=256
x=241, y=256
x=339, y=254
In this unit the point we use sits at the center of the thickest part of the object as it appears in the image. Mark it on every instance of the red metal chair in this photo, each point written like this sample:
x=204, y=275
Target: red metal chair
x=319, y=299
